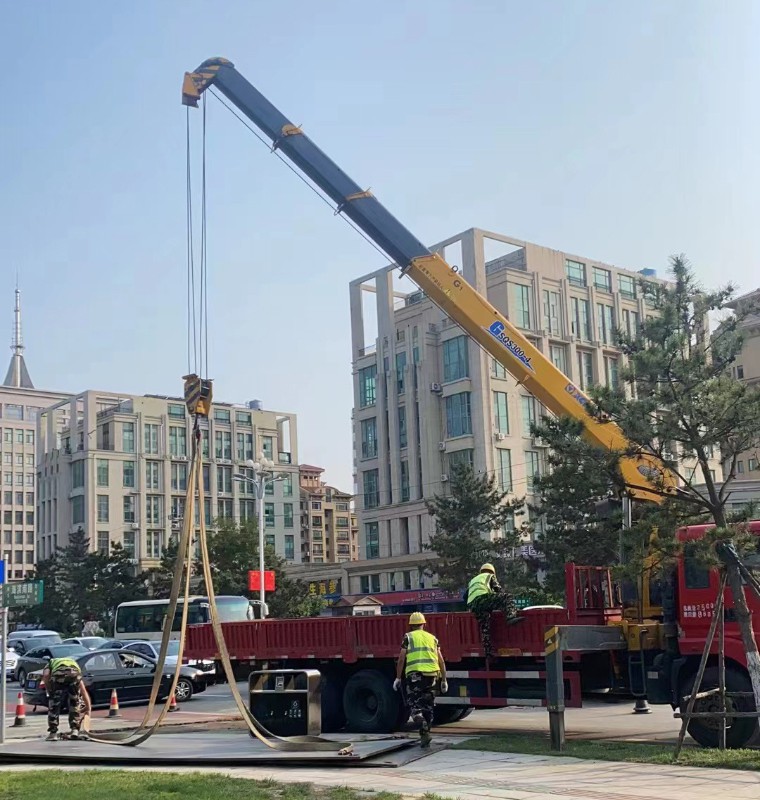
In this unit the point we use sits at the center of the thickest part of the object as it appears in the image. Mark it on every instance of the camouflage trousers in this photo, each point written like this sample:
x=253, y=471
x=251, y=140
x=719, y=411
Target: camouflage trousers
x=420, y=695
x=483, y=606
x=57, y=691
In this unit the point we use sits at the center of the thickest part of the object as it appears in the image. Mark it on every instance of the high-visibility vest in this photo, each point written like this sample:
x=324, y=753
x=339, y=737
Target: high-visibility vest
x=479, y=585
x=61, y=664
x=422, y=653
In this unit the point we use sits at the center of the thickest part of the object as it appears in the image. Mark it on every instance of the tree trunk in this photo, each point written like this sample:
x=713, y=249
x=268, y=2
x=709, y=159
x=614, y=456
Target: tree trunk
x=744, y=619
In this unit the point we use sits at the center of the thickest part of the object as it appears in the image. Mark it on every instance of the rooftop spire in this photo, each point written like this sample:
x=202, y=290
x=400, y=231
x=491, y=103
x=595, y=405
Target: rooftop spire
x=17, y=375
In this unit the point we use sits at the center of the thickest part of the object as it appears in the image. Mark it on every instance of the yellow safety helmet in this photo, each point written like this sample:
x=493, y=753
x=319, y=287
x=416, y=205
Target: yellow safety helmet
x=488, y=568
x=417, y=618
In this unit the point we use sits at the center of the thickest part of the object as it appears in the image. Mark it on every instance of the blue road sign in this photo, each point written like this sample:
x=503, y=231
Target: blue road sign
x=2, y=571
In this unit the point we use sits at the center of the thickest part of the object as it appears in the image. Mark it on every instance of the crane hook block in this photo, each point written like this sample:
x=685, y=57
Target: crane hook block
x=198, y=395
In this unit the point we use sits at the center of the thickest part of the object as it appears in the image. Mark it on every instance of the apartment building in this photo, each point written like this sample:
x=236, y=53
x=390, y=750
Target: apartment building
x=329, y=533
x=117, y=466
x=426, y=397
x=20, y=406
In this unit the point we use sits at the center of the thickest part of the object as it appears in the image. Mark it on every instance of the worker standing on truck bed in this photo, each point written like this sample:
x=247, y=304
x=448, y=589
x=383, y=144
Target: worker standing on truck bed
x=484, y=595
x=421, y=663
x=63, y=678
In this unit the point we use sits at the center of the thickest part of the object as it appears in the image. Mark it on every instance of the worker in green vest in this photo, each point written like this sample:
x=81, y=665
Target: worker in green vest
x=421, y=664
x=63, y=679
x=485, y=595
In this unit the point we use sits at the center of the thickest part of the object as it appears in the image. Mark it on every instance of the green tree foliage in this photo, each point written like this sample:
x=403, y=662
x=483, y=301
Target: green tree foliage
x=466, y=521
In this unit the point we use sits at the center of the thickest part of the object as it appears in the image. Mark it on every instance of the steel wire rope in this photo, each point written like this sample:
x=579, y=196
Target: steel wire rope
x=192, y=339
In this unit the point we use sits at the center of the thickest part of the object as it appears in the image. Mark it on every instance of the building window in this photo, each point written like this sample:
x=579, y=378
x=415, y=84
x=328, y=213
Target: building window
x=500, y=412
x=290, y=553
x=458, y=416
x=223, y=445
x=176, y=410
x=177, y=440
x=152, y=475
x=585, y=369
x=505, y=469
x=455, y=359
x=129, y=474
x=740, y=372
x=602, y=279
x=14, y=411
x=529, y=413
x=576, y=272
x=205, y=443
x=532, y=467
x=287, y=485
x=460, y=458
x=402, y=437
x=369, y=437
x=104, y=544
x=581, y=322
x=605, y=323
x=522, y=305
x=611, y=371
x=269, y=515
x=405, y=493
x=752, y=464
x=153, y=509
x=740, y=467
x=153, y=544
x=498, y=370
x=287, y=515
x=179, y=477
x=129, y=508
x=129, y=544
x=224, y=509
x=372, y=538
x=371, y=488
x=247, y=510
x=244, y=446
x=243, y=418
x=368, y=386
x=627, y=286
x=558, y=356
x=551, y=313
x=77, y=475
x=400, y=371
x=102, y=504
x=151, y=439
x=316, y=521
x=30, y=498
x=128, y=437
x=631, y=323
x=222, y=415
x=224, y=479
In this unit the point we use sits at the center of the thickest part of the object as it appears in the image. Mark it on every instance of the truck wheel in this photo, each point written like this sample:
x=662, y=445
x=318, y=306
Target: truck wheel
x=466, y=713
x=333, y=718
x=739, y=731
x=445, y=715
x=369, y=703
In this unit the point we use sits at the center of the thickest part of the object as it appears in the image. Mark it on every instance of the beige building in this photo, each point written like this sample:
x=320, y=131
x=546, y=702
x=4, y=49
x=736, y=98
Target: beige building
x=426, y=397
x=328, y=524
x=117, y=466
x=20, y=406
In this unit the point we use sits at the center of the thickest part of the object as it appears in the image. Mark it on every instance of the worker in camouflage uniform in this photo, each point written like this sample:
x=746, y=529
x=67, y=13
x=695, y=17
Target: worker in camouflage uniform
x=421, y=664
x=63, y=679
x=484, y=595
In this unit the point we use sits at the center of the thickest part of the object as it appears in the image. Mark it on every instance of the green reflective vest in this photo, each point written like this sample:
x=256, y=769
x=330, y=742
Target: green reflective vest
x=422, y=653
x=58, y=664
x=479, y=585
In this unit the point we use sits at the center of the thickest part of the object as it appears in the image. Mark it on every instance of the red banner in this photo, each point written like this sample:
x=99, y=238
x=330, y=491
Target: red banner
x=254, y=580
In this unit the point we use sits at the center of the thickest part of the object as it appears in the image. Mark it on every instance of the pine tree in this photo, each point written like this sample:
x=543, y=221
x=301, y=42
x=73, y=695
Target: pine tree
x=471, y=528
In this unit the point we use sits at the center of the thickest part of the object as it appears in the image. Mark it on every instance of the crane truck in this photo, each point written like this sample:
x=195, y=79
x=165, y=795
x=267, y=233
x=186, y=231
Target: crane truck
x=655, y=656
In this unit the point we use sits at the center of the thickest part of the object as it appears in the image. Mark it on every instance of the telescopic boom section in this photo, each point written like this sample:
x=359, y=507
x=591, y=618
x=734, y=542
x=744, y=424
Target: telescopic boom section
x=645, y=475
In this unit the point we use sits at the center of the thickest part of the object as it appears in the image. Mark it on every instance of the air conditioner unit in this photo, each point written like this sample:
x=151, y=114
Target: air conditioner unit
x=500, y=437
x=436, y=387
x=441, y=446
x=135, y=526
x=444, y=478
x=182, y=458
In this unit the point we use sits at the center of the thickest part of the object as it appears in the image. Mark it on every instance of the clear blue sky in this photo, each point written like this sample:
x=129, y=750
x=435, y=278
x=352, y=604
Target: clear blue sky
x=621, y=131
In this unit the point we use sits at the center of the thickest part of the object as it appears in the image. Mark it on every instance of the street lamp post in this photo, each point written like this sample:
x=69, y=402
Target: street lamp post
x=263, y=477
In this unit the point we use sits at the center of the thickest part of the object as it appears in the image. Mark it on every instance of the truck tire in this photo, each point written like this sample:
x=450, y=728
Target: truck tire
x=739, y=731
x=333, y=718
x=369, y=703
x=445, y=715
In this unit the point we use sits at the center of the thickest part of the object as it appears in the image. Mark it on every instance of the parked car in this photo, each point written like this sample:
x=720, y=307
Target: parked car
x=131, y=674
x=22, y=646
x=151, y=649
x=36, y=658
x=29, y=633
x=115, y=644
x=9, y=663
x=88, y=642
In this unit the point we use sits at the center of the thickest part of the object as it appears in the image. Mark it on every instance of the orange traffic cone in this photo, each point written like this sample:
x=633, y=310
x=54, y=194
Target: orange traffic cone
x=20, y=711
x=113, y=708
x=173, y=704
